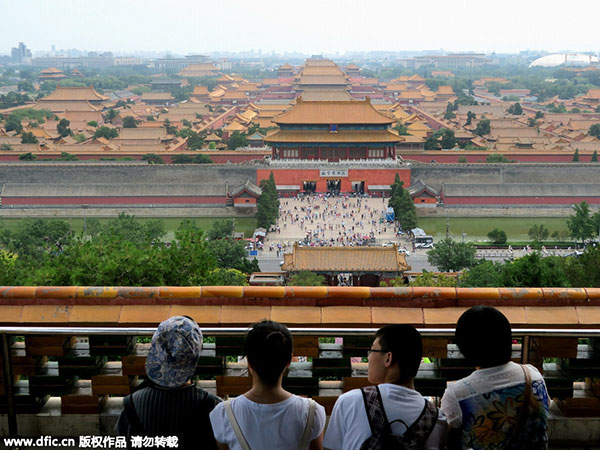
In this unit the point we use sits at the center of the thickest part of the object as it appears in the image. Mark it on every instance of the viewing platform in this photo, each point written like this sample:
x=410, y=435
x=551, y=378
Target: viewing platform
x=75, y=351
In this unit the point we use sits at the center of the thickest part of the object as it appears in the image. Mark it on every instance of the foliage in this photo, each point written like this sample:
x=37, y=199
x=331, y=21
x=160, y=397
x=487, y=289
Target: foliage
x=195, y=141
x=226, y=277
x=539, y=115
x=497, y=158
x=13, y=124
x=152, y=158
x=595, y=130
x=171, y=129
x=401, y=129
x=443, y=137
x=129, y=122
x=237, y=140
x=92, y=123
x=557, y=108
x=27, y=156
x=538, y=233
x=531, y=122
x=28, y=138
x=65, y=156
x=110, y=115
x=483, y=127
x=306, y=278
x=26, y=86
x=189, y=159
x=470, y=116
x=580, y=224
x=435, y=280
x=515, y=109
x=576, y=156
x=451, y=256
x=403, y=205
x=582, y=271
x=13, y=99
x=221, y=229
x=267, y=207
x=497, y=236
x=106, y=133
x=63, y=128
x=594, y=156
x=462, y=159
x=6, y=147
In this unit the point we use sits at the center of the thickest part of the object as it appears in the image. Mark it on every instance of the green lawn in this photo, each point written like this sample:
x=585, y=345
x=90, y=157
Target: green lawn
x=245, y=224
x=477, y=228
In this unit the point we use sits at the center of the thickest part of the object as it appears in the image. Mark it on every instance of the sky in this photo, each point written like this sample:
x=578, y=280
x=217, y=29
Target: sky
x=306, y=26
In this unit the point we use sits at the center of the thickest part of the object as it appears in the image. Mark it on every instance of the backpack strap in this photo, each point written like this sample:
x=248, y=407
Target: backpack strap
x=309, y=425
x=419, y=431
x=523, y=414
x=236, y=426
x=378, y=421
x=135, y=424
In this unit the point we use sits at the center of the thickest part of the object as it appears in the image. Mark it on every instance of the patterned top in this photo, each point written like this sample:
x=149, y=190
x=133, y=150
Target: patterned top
x=487, y=405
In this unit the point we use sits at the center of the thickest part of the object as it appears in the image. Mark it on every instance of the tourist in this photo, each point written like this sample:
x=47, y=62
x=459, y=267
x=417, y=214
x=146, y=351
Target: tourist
x=502, y=405
x=267, y=416
x=406, y=418
x=170, y=404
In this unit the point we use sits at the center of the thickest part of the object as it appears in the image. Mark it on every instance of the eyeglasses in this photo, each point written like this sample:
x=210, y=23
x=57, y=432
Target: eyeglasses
x=372, y=350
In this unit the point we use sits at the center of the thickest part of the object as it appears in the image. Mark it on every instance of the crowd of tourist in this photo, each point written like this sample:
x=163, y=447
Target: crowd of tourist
x=501, y=405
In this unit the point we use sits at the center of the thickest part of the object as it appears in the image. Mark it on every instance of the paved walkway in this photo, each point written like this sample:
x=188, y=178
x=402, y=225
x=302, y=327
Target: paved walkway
x=332, y=221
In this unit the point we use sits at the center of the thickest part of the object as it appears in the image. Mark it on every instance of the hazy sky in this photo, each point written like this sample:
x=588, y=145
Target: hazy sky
x=308, y=26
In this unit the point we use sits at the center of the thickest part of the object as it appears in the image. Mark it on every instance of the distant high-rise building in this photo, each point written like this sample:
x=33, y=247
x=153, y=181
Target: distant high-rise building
x=21, y=54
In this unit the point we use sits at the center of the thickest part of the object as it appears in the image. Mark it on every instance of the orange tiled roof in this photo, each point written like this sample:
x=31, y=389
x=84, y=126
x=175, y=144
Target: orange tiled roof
x=359, y=136
x=323, y=79
x=341, y=259
x=235, y=95
x=61, y=106
x=321, y=70
x=326, y=94
x=336, y=112
x=74, y=93
x=234, y=126
x=445, y=90
x=200, y=90
x=156, y=96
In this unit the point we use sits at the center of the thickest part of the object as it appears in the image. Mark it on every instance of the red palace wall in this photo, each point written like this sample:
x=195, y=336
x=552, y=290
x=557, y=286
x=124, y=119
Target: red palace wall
x=287, y=177
x=244, y=201
x=452, y=157
x=217, y=158
x=112, y=200
x=520, y=200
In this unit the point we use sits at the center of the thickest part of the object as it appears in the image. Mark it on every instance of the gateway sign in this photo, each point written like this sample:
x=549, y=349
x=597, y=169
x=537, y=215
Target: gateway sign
x=333, y=172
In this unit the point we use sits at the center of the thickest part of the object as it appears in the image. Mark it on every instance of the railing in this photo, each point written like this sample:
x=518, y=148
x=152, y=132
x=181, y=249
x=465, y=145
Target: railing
x=324, y=371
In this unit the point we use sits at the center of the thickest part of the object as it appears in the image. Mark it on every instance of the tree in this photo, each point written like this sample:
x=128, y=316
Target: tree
x=202, y=159
x=462, y=159
x=110, y=115
x=484, y=273
x=182, y=159
x=594, y=156
x=6, y=147
x=451, y=256
x=13, y=124
x=195, y=141
x=515, y=109
x=306, y=278
x=226, y=277
x=106, y=133
x=28, y=138
x=27, y=157
x=538, y=233
x=171, y=129
x=483, y=127
x=237, y=140
x=92, y=123
x=448, y=140
x=595, y=130
x=221, y=229
x=531, y=122
x=267, y=207
x=63, y=128
x=539, y=115
x=497, y=236
x=496, y=158
x=65, y=156
x=582, y=271
x=403, y=205
x=576, y=156
x=470, y=116
x=429, y=279
x=129, y=122
x=152, y=158
x=580, y=224
x=401, y=129
x=533, y=270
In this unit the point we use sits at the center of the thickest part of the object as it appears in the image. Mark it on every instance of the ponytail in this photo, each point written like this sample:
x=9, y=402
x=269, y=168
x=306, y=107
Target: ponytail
x=268, y=347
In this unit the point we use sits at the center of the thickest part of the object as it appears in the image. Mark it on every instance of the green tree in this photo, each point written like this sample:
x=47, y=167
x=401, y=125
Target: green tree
x=594, y=156
x=470, y=116
x=195, y=141
x=403, y=205
x=26, y=86
x=595, y=130
x=531, y=122
x=497, y=236
x=533, y=271
x=65, y=156
x=582, y=271
x=484, y=273
x=129, y=122
x=451, y=256
x=237, y=140
x=515, y=109
x=27, y=156
x=152, y=158
x=306, y=278
x=576, y=156
x=483, y=127
x=63, y=128
x=13, y=124
x=538, y=233
x=226, y=277
x=92, y=123
x=106, y=133
x=539, y=115
x=171, y=129
x=182, y=159
x=447, y=139
x=110, y=115
x=202, y=159
x=28, y=138
x=496, y=158
x=429, y=279
x=462, y=159
x=221, y=229
x=580, y=223
x=6, y=147
x=401, y=129
x=267, y=207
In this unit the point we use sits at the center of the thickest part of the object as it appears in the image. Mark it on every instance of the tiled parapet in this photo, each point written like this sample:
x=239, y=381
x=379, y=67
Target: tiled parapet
x=294, y=305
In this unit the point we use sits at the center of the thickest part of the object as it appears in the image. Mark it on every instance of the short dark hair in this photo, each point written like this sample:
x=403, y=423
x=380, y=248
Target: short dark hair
x=268, y=347
x=406, y=346
x=484, y=337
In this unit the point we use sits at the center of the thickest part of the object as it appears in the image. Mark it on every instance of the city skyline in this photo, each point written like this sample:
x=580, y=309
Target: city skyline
x=307, y=27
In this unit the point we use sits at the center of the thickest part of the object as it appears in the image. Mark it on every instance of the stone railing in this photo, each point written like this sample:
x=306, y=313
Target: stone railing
x=75, y=351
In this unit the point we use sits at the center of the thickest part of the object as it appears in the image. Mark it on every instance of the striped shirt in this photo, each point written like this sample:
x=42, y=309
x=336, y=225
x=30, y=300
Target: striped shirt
x=181, y=412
